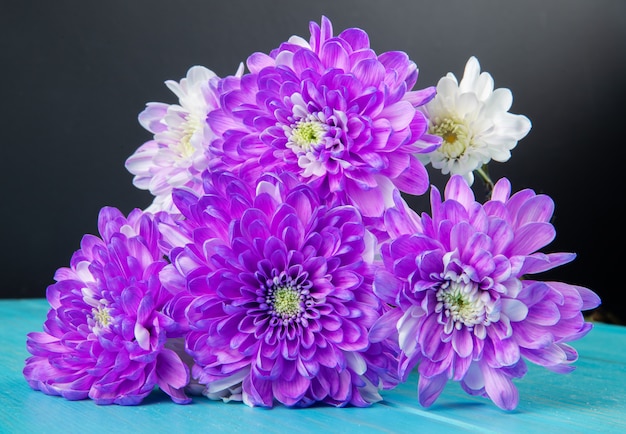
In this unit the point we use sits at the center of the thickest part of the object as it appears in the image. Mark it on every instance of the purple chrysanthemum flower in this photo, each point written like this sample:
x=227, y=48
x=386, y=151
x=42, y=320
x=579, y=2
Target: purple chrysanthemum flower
x=332, y=111
x=465, y=307
x=105, y=336
x=275, y=290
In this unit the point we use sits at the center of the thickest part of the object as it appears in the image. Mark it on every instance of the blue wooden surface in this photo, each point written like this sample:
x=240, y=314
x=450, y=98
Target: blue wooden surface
x=591, y=399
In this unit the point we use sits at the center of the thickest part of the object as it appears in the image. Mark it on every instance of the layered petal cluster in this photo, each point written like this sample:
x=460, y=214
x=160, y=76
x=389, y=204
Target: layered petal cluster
x=474, y=122
x=105, y=334
x=332, y=111
x=466, y=308
x=274, y=290
x=176, y=156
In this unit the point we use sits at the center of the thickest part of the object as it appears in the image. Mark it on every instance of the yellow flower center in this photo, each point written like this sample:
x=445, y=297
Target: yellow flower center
x=102, y=316
x=455, y=135
x=184, y=147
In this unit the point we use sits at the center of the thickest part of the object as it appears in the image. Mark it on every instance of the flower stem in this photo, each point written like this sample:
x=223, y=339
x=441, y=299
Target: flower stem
x=484, y=174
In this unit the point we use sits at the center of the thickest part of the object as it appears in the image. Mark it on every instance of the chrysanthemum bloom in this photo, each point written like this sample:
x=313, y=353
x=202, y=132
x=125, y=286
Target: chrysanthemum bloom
x=474, y=122
x=176, y=156
x=105, y=335
x=332, y=111
x=275, y=289
x=466, y=307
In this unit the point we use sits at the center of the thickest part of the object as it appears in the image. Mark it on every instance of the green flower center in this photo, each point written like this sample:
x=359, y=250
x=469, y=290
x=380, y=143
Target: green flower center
x=286, y=302
x=307, y=133
x=455, y=135
x=287, y=298
x=462, y=303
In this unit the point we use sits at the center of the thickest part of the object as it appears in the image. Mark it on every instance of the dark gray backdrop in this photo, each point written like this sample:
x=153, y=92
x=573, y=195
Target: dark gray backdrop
x=75, y=75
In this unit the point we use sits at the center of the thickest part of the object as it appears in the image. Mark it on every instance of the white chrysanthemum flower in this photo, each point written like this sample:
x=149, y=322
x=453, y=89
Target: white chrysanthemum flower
x=176, y=157
x=474, y=122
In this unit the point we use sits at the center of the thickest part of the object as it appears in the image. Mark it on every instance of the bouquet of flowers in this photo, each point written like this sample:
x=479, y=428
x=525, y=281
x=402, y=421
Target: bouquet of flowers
x=280, y=262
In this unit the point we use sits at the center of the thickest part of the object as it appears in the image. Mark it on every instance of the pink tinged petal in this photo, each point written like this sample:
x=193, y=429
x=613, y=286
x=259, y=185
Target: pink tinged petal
x=540, y=262
x=457, y=189
x=499, y=388
x=333, y=55
x=399, y=114
x=531, y=237
x=501, y=235
x=454, y=212
x=414, y=179
x=172, y=375
x=369, y=72
x=420, y=97
x=306, y=59
x=258, y=61
x=536, y=209
x=501, y=190
x=518, y=199
x=357, y=38
x=461, y=235
x=429, y=389
x=370, y=202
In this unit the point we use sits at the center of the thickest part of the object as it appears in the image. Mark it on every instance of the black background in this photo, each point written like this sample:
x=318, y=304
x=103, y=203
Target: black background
x=75, y=75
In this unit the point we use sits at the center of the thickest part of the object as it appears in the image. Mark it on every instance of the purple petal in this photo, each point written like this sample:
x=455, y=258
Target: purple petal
x=333, y=55
x=501, y=191
x=531, y=237
x=370, y=202
x=458, y=189
x=387, y=286
x=369, y=72
x=429, y=389
x=414, y=179
x=357, y=38
x=385, y=326
x=420, y=97
x=462, y=342
x=499, y=388
x=306, y=59
x=172, y=375
x=539, y=262
x=536, y=209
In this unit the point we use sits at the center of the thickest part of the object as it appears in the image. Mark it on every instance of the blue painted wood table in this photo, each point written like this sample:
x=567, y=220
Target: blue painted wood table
x=591, y=399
